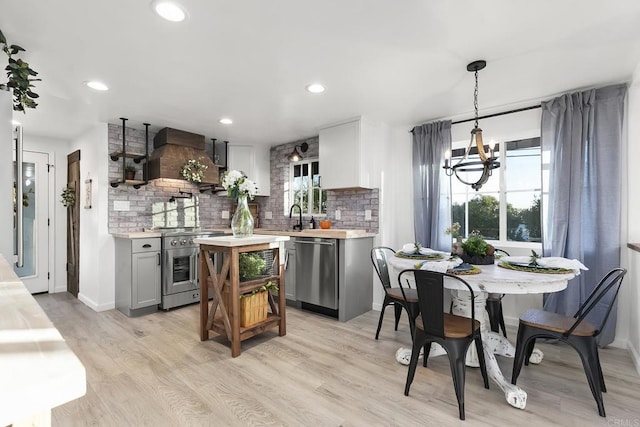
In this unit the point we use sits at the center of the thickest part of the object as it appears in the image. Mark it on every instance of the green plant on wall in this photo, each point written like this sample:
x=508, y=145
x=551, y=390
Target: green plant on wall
x=20, y=77
x=68, y=197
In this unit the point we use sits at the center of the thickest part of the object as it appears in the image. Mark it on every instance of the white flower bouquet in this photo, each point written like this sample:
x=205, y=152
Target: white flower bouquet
x=237, y=184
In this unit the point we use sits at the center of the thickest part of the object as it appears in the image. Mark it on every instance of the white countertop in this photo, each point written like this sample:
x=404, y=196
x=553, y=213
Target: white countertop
x=137, y=234
x=38, y=371
x=329, y=233
x=230, y=241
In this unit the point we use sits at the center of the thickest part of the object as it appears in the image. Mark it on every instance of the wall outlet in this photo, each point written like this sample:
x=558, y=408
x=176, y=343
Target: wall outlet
x=225, y=214
x=367, y=215
x=268, y=215
x=338, y=215
x=121, y=205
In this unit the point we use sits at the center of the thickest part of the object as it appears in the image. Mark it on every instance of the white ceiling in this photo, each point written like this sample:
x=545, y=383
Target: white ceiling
x=400, y=62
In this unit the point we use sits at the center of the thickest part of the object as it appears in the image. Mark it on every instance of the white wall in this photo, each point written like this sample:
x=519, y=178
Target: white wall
x=97, y=258
x=629, y=300
x=57, y=150
x=396, y=200
x=6, y=176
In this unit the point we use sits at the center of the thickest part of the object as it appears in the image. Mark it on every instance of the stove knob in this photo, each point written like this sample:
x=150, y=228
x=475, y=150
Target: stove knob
x=191, y=241
x=174, y=242
x=183, y=241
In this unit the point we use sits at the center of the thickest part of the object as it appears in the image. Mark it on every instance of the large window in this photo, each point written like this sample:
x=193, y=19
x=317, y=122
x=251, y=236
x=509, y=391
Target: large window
x=507, y=207
x=305, y=190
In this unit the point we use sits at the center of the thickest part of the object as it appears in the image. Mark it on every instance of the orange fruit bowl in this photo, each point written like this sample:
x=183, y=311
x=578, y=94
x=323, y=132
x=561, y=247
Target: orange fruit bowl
x=324, y=224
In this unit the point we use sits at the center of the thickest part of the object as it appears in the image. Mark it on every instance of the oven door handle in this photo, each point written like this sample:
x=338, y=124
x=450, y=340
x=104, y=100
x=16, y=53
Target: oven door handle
x=194, y=263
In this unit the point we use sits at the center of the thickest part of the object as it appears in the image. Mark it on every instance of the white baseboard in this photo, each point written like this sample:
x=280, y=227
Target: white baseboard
x=635, y=356
x=376, y=306
x=93, y=305
x=58, y=289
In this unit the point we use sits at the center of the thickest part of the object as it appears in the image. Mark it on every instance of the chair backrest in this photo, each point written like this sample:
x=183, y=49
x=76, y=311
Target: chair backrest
x=609, y=284
x=379, y=259
x=430, y=286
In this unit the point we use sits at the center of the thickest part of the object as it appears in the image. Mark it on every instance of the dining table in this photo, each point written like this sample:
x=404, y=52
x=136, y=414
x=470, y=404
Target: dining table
x=485, y=280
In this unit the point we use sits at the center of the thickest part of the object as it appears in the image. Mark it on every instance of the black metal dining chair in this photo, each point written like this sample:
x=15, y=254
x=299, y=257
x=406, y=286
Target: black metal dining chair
x=573, y=330
x=454, y=333
x=494, y=306
x=400, y=297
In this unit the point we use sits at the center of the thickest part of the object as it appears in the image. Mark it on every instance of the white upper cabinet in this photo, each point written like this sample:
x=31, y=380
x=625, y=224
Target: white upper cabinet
x=254, y=161
x=350, y=154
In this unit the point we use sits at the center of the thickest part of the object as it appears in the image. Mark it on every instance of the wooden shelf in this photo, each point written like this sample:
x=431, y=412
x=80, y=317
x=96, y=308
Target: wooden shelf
x=137, y=157
x=132, y=182
x=250, y=285
x=271, y=321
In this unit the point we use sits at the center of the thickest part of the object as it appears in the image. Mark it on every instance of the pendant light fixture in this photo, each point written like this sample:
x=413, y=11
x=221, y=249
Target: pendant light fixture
x=295, y=156
x=487, y=162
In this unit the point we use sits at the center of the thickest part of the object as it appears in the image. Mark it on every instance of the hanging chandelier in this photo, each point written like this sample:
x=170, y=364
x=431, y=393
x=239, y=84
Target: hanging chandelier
x=487, y=162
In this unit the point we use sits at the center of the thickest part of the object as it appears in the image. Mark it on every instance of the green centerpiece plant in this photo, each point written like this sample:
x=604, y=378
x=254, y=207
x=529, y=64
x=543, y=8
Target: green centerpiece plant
x=474, y=250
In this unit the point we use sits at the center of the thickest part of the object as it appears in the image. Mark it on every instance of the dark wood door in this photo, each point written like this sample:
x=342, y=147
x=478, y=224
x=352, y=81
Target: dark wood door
x=73, y=224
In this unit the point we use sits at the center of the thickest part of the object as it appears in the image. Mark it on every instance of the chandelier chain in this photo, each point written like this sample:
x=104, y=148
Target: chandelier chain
x=475, y=99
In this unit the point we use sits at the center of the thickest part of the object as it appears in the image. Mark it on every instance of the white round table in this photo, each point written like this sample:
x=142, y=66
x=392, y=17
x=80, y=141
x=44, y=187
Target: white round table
x=498, y=280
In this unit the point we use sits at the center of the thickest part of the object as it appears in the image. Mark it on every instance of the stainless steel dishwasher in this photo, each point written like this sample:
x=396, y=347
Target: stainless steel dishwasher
x=317, y=272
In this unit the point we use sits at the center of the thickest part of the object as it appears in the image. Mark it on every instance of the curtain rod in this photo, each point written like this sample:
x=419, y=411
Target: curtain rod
x=517, y=110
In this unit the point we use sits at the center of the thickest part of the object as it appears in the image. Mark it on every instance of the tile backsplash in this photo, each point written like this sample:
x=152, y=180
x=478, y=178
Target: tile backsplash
x=160, y=203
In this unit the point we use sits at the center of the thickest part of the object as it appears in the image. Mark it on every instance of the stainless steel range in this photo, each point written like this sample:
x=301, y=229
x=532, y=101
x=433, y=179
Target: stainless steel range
x=180, y=268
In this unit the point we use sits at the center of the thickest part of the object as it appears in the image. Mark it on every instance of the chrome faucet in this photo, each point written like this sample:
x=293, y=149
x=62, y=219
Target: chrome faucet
x=297, y=226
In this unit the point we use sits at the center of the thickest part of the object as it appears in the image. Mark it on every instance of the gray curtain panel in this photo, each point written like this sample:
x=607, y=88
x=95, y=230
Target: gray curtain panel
x=431, y=186
x=583, y=134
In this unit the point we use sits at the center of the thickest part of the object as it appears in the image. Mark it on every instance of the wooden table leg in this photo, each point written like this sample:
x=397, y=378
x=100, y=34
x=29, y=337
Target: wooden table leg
x=235, y=304
x=204, y=297
x=282, y=311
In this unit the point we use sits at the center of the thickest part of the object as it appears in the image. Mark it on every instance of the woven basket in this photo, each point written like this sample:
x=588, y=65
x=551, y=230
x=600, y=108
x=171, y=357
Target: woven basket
x=253, y=308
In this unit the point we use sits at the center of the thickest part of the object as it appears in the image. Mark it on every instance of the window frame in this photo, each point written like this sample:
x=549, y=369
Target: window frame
x=289, y=186
x=501, y=150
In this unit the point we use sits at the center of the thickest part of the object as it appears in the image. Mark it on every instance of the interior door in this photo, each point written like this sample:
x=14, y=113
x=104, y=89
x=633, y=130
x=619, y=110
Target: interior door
x=34, y=272
x=73, y=225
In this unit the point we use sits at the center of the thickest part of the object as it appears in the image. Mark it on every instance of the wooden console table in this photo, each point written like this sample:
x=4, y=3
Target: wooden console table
x=226, y=320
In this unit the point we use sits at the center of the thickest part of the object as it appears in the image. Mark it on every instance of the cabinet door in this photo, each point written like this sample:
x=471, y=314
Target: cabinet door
x=340, y=155
x=145, y=279
x=254, y=161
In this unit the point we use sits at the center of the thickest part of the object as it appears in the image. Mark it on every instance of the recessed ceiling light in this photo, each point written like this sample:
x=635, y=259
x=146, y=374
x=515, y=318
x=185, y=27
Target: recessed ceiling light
x=96, y=85
x=225, y=121
x=315, y=88
x=169, y=10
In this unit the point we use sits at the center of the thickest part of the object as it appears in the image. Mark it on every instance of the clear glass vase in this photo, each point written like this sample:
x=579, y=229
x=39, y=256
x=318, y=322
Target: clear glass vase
x=242, y=221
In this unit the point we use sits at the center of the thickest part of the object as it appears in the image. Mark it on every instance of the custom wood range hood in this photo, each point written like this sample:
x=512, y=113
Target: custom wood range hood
x=172, y=148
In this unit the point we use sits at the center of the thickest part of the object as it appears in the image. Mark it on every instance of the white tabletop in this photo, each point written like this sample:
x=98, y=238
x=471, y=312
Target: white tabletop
x=230, y=241
x=495, y=279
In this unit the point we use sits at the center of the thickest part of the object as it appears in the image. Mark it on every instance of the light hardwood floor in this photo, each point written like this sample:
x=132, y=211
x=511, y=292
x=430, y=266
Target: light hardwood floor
x=153, y=370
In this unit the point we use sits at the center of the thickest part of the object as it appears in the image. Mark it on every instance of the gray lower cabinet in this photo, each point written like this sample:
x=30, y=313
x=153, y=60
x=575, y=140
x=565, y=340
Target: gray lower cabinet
x=138, y=275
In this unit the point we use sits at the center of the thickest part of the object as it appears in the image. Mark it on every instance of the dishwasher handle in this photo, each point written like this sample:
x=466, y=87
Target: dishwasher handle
x=315, y=243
